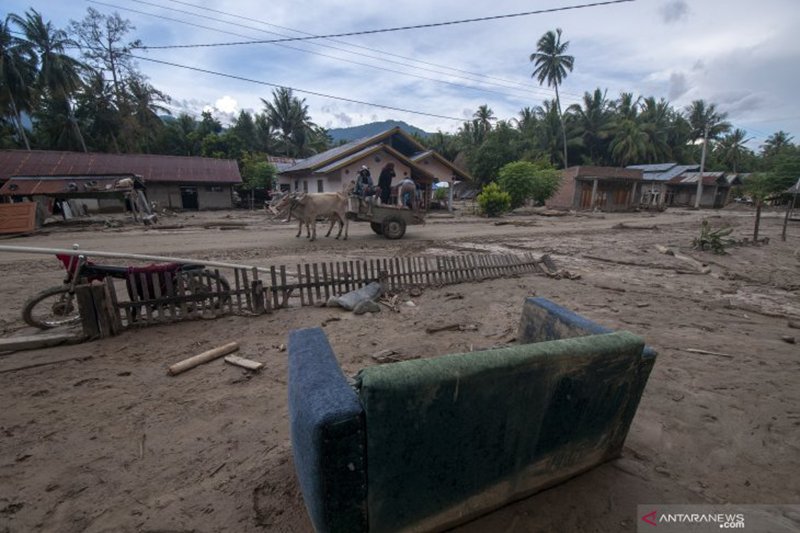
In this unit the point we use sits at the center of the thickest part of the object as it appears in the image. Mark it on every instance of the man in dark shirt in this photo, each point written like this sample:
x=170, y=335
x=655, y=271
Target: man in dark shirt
x=385, y=182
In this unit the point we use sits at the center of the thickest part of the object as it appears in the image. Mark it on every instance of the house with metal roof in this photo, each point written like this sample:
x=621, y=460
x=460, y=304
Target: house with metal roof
x=716, y=188
x=175, y=182
x=654, y=189
x=601, y=188
x=334, y=169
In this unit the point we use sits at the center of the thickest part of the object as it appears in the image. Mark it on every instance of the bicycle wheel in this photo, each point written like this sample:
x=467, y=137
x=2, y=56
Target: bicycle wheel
x=204, y=283
x=51, y=308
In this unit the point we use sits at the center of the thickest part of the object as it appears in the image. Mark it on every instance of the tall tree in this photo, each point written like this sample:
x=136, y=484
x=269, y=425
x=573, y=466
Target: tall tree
x=102, y=39
x=484, y=117
x=288, y=117
x=776, y=143
x=58, y=79
x=594, y=120
x=17, y=73
x=708, y=123
x=732, y=149
x=552, y=64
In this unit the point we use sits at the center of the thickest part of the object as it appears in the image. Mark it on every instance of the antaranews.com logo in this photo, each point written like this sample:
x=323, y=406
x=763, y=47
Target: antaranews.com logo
x=669, y=518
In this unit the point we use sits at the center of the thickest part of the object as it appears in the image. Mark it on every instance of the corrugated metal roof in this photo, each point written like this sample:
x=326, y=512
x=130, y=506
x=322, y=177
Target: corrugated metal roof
x=709, y=178
x=657, y=167
x=663, y=171
x=352, y=158
x=333, y=154
x=153, y=168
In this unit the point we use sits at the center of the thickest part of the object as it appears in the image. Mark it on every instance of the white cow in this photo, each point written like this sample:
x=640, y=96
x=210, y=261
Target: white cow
x=307, y=207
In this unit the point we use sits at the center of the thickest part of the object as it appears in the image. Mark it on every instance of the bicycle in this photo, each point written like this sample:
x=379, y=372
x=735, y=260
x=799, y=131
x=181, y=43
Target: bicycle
x=57, y=306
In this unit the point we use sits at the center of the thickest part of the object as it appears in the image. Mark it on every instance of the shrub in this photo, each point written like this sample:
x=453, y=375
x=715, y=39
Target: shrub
x=493, y=201
x=523, y=180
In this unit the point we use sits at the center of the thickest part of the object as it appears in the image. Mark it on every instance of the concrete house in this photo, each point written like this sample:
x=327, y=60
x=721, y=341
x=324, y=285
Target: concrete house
x=333, y=169
x=655, y=190
x=172, y=181
x=602, y=188
x=716, y=189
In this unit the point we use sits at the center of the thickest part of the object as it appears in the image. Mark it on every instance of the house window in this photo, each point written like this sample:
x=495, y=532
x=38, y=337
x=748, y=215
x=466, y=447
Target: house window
x=305, y=185
x=285, y=187
x=297, y=185
x=214, y=188
x=320, y=186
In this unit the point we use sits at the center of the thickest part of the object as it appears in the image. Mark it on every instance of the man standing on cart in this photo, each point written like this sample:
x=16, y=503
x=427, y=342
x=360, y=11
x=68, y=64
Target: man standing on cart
x=385, y=182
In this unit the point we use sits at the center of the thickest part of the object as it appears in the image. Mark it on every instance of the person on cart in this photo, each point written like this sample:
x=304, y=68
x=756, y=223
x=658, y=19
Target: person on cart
x=364, y=184
x=385, y=182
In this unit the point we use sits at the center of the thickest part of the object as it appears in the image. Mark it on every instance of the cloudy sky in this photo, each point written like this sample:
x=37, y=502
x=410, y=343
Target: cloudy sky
x=740, y=54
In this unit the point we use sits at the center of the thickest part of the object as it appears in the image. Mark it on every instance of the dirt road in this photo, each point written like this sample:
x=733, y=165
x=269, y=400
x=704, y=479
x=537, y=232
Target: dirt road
x=111, y=443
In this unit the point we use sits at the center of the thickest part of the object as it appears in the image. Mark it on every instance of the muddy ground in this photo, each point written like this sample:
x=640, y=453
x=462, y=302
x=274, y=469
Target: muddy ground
x=111, y=443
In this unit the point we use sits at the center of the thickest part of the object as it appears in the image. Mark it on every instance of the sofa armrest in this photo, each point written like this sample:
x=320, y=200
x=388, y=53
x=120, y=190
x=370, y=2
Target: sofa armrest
x=542, y=320
x=328, y=437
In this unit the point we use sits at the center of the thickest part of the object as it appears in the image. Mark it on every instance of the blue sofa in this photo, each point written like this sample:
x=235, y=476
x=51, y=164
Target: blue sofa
x=426, y=444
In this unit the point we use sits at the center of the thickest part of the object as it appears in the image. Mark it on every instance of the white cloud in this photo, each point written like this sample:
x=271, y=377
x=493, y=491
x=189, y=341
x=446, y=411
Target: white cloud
x=226, y=104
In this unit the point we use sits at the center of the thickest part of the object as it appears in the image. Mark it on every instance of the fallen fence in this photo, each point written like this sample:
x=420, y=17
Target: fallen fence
x=313, y=283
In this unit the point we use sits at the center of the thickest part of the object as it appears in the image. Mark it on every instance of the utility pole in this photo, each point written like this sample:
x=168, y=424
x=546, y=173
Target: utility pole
x=702, y=167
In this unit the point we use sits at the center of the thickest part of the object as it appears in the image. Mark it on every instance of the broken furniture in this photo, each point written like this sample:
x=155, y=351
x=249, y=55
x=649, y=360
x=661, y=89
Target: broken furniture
x=427, y=444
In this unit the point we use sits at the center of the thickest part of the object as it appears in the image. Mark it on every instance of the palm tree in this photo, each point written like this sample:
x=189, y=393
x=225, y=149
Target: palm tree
x=552, y=65
x=732, y=148
x=775, y=143
x=630, y=144
x=549, y=122
x=707, y=123
x=17, y=71
x=484, y=117
x=58, y=77
x=595, y=121
x=656, y=119
x=288, y=116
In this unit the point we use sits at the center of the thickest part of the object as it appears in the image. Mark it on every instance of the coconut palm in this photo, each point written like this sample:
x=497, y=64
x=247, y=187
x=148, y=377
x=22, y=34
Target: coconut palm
x=775, y=143
x=552, y=64
x=484, y=117
x=594, y=120
x=17, y=72
x=58, y=77
x=702, y=116
x=656, y=119
x=288, y=116
x=630, y=144
x=732, y=149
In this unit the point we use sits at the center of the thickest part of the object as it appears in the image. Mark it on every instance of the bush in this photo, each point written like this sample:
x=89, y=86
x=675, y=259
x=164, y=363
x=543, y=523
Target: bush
x=493, y=201
x=523, y=180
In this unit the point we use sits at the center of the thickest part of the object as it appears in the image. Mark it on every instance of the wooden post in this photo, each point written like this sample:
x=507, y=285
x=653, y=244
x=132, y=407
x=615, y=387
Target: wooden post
x=257, y=295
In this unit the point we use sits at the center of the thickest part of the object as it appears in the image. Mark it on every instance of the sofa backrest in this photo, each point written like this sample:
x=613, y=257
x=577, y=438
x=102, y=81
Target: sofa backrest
x=455, y=436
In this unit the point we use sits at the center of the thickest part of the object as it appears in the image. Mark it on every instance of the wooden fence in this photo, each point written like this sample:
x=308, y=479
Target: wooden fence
x=317, y=282
x=147, y=298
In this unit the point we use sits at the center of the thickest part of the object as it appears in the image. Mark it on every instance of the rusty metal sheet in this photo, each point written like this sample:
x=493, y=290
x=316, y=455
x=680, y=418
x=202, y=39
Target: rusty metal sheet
x=17, y=218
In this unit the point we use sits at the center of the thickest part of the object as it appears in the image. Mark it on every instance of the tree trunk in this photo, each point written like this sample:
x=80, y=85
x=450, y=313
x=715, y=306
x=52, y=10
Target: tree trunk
x=758, y=220
x=18, y=119
x=563, y=129
x=74, y=123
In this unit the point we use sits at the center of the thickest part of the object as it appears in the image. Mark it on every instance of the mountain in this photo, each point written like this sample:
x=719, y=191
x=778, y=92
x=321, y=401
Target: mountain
x=373, y=128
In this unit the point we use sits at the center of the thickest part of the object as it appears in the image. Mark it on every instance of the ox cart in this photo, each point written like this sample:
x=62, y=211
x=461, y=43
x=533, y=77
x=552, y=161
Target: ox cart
x=387, y=220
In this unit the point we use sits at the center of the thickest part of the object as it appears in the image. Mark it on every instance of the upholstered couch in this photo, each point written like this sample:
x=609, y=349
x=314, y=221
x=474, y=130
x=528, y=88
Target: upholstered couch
x=429, y=443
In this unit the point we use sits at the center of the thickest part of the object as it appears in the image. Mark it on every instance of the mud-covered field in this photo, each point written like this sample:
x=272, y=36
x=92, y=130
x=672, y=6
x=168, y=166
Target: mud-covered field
x=109, y=442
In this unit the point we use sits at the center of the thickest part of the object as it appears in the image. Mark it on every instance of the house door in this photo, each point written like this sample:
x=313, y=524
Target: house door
x=189, y=198
x=586, y=196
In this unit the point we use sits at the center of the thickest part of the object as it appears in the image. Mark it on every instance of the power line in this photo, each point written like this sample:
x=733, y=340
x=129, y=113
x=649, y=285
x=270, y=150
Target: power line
x=398, y=28
x=520, y=84
x=162, y=17
x=314, y=93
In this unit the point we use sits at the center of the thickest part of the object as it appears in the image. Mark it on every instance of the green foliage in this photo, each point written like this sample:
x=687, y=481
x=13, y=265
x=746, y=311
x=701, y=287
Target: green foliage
x=257, y=173
x=523, y=180
x=500, y=147
x=762, y=185
x=441, y=194
x=493, y=201
x=713, y=240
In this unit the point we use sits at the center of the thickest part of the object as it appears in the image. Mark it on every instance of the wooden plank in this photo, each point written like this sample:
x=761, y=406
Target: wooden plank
x=219, y=306
x=191, y=362
x=326, y=286
x=300, y=285
x=18, y=218
x=238, y=290
x=83, y=297
x=397, y=272
x=146, y=296
x=247, y=293
x=284, y=292
x=257, y=292
x=472, y=274
x=310, y=295
x=243, y=363
x=346, y=274
x=169, y=287
x=101, y=310
x=316, y=282
x=412, y=278
x=159, y=311
x=181, y=280
x=359, y=280
x=352, y=271
x=34, y=342
x=113, y=305
x=274, y=289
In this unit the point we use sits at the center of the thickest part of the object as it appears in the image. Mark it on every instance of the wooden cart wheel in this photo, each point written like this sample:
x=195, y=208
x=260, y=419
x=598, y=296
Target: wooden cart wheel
x=377, y=228
x=394, y=227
